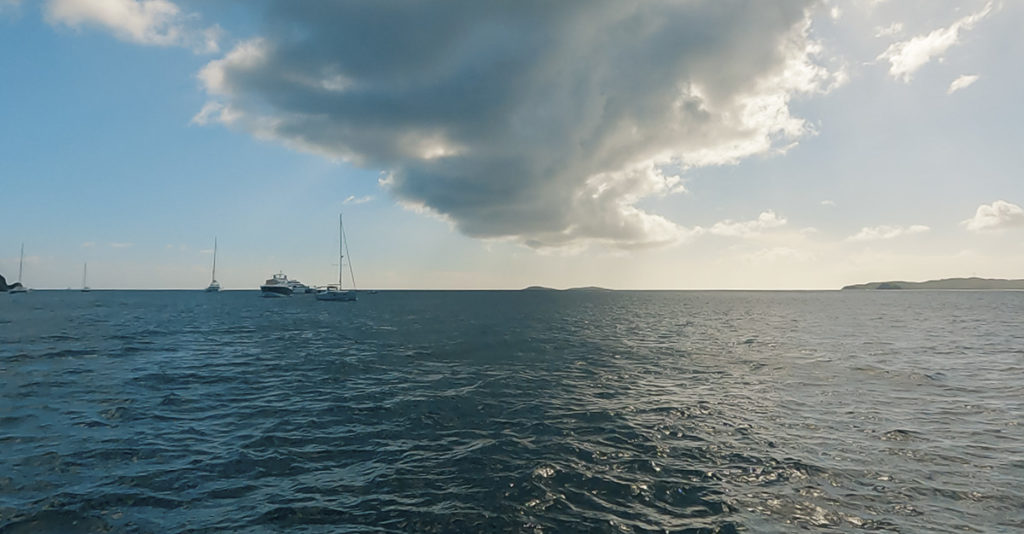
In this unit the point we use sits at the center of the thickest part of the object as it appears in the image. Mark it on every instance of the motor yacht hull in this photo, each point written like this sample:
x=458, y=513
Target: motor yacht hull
x=275, y=291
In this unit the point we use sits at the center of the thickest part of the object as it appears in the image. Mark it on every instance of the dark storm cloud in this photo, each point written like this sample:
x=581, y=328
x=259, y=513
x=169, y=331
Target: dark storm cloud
x=542, y=121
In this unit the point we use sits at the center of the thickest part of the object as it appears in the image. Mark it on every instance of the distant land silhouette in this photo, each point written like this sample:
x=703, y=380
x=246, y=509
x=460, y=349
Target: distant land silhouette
x=945, y=283
x=587, y=288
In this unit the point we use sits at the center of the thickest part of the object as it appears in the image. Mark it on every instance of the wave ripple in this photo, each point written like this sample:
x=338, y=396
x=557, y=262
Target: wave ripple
x=512, y=412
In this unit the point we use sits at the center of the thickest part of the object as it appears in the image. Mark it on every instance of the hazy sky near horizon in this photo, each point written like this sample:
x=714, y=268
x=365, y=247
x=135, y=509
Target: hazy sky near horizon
x=487, y=144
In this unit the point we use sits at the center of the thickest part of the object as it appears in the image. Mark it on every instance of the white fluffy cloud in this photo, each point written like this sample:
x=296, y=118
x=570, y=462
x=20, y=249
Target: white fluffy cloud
x=961, y=82
x=905, y=57
x=765, y=221
x=544, y=122
x=352, y=199
x=996, y=216
x=893, y=29
x=876, y=233
x=148, y=22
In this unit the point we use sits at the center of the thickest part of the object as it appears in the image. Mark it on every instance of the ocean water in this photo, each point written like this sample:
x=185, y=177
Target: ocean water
x=166, y=411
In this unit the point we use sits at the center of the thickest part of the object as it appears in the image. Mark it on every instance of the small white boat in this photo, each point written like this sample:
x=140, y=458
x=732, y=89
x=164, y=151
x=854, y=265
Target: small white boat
x=214, y=284
x=338, y=292
x=85, y=272
x=276, y=286
x=19, y=287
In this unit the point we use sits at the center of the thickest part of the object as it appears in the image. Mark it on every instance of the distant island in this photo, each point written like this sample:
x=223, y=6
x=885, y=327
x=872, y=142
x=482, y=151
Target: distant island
x=945, y=283
x=587, y=288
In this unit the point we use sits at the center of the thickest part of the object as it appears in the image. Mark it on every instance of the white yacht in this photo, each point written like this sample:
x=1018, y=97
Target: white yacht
x=276, y=286
x=338, y=292
x=214, y=284
x=299, y=287
x=19, y=287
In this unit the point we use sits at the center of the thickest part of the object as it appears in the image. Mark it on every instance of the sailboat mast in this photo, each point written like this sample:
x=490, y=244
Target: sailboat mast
x=214, y=275
x=85, y=272
x=21, y=261
x=341, y=250
x=345, y=241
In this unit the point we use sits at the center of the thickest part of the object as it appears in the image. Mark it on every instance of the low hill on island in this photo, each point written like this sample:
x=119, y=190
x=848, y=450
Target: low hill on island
x=542, y=288
x=945, y=283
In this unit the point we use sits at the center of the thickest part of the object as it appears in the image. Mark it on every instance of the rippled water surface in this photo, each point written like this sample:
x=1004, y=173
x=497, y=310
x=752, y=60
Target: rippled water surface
x=512, y=411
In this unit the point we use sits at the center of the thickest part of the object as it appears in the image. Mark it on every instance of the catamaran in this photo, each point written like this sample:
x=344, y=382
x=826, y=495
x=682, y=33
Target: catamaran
x=19, y=287
x=214, y=285
x=338, y=292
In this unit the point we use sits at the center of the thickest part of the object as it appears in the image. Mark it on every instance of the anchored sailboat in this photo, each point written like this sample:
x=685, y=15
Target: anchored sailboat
x=85, y=272
x=19, y=287
x=214, y=284
x=338, y=292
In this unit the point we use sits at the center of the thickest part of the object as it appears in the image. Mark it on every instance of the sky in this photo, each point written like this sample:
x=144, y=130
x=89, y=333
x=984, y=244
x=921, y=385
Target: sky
x=477, y=144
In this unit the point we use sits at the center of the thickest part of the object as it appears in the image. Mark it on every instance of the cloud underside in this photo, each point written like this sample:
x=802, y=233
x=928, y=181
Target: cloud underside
x=1000, y=215
x=536, y=121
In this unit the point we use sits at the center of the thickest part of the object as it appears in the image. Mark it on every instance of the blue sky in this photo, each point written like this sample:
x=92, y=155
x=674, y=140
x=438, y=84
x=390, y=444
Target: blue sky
x=479, y=145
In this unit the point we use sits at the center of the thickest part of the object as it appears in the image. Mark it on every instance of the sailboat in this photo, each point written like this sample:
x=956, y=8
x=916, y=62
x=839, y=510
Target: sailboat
x=18, y=287
x=85, y=272
x=214, y=284
x=338, y=292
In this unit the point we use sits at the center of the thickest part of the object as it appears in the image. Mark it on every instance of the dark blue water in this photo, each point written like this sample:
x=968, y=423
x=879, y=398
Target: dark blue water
x=512, y=412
